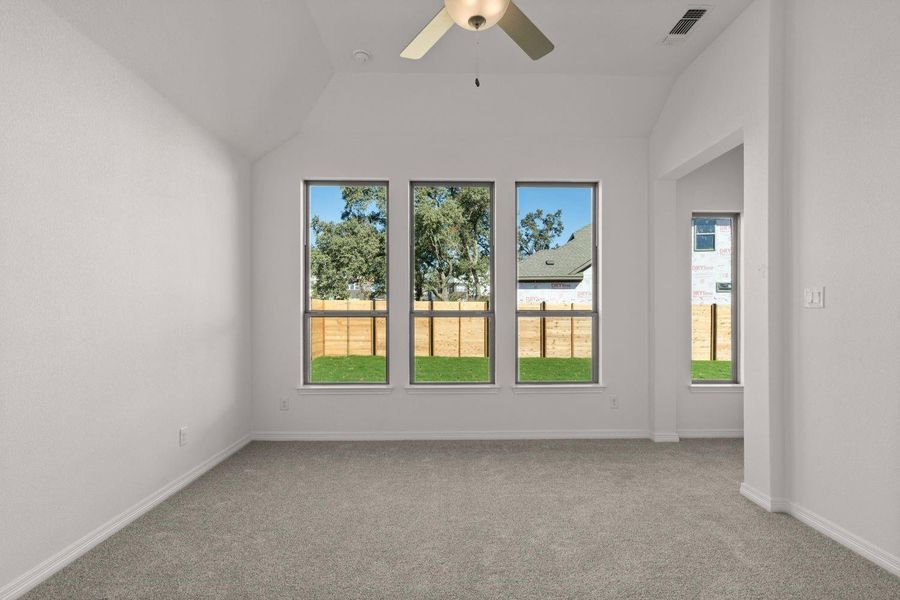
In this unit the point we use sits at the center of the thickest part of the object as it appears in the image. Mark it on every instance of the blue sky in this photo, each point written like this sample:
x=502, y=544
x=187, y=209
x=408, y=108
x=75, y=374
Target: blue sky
x=326, y=202
x=575, y=202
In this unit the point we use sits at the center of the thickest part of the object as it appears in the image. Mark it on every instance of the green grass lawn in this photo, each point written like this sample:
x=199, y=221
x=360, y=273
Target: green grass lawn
x=436, y=369
x=348, y=369
x=711, y=370
x=555, y=369
x=446, y=368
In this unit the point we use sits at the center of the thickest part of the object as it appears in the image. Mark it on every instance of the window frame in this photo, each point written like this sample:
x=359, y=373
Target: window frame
x=696, y=234
x=735, y=297
x=488, y=314
x=594, y=313
x=309, y=314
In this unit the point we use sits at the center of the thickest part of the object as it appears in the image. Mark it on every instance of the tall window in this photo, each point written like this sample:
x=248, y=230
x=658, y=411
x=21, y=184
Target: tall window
x=345, y=282
x=452, y=256
x=714, y=299
x=557, y=301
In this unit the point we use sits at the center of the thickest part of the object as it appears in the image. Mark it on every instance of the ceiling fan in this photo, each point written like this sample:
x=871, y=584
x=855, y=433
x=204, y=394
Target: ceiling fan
x=478, y=15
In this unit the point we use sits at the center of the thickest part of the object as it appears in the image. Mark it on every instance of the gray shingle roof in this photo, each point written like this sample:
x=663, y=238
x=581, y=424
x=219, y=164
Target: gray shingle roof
x=566, y=263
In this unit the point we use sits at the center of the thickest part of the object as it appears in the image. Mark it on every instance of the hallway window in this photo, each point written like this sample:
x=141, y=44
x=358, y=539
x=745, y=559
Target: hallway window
x=346, y=322
x=714, y=299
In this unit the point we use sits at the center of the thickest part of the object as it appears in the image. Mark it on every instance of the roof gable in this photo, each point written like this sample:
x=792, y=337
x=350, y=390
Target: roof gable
x=563, y=263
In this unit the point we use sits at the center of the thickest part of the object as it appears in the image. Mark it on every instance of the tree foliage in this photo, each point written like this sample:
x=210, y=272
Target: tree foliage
x=352, y=250
x=452, y=243
x=537, y=230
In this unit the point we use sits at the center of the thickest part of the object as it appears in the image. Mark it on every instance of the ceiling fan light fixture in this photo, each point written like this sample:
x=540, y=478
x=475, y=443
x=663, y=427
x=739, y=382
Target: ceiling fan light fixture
x=465, y=13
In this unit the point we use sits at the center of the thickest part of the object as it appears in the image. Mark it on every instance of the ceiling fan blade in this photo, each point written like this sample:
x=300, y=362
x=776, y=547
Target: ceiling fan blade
x=525, y=33
x=429, y=36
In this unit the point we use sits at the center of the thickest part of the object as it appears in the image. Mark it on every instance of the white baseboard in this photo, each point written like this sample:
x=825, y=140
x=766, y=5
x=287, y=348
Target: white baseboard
x=665, y=437
x=880, y=557
x=552, y=434
x=867, y=550
x=762, y=499
x=31, y=578
x=710, y=433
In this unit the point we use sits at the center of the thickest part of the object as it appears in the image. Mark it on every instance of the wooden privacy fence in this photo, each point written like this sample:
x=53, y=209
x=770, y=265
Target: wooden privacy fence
x=451, y=336
x=551, y=337
x=555, y=337
x=710, y=332
x=348, y=336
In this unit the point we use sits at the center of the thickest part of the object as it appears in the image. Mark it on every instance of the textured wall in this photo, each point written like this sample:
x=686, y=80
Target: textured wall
x=125, y=304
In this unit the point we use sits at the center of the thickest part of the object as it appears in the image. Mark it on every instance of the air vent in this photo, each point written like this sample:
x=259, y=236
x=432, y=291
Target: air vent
x=685, y=24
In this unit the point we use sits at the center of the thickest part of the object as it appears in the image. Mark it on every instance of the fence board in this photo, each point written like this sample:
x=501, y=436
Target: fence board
x=446, y=336
x=558, y=337
x=530, y=338
x=582, y=334
x=723, y=332
x=702, y=332
x=361, y=336
x=316, y=337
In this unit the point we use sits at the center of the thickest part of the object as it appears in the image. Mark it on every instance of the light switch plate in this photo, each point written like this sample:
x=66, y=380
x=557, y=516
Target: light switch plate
x=814, y=297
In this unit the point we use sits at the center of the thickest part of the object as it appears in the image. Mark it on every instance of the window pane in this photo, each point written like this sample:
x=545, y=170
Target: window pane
x=452, y=349
x=347, y=247
x=556, y=349
x=711, y=301
x=453, y=245
x=705, y=225
x=704, y=242
x=347, y=349
x=555, y=247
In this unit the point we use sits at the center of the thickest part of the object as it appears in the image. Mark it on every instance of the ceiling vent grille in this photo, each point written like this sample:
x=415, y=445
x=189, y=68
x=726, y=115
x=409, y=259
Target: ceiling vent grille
x=685, y=24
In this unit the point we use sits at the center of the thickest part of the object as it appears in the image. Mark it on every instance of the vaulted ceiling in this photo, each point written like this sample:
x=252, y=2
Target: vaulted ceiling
x=256, y=72
x=594, y=37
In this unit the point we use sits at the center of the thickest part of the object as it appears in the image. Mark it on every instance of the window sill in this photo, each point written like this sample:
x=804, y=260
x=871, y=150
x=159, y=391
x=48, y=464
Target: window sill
x=344, y=390
x=717, y=388
x=556, y=388
x=432, y=388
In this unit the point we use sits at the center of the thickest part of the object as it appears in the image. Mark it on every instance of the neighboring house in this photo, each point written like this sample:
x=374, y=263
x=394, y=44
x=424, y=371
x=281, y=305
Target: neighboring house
x=559, y=275
x=711, y=261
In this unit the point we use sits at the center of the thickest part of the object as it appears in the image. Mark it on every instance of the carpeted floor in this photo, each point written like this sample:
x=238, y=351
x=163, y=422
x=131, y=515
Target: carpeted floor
x=528, y=520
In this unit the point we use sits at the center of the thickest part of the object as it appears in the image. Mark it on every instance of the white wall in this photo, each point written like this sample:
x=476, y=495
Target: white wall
x=621, y=166
x=728, y=95
x=123, y=285
x=821, y=411
x=843, y=184
x=718, y=186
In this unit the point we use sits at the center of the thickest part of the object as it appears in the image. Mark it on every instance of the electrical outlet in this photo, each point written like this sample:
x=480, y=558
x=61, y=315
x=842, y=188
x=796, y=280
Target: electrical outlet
x=285, y=404
x=814, y=297
x=614, y=402
x=182, y=436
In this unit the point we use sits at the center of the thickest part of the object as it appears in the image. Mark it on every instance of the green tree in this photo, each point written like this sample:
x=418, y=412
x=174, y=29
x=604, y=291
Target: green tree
x=537, y=230
x=452, y=244
x=352, y=250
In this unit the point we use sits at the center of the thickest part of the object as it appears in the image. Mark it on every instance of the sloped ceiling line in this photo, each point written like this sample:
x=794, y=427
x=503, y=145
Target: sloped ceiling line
x=257, y=72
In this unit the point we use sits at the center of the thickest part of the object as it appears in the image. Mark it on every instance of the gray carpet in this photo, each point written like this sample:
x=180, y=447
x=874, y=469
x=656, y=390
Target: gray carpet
x=544, y=519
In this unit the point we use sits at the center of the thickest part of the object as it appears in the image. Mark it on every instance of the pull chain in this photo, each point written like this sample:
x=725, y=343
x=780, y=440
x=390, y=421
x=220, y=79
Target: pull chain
x=477, y=83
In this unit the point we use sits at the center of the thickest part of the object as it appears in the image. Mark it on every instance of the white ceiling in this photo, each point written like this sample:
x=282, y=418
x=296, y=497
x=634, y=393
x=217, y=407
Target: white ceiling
x=248, y=70
x=597, y=37
x=256, y=72
x=505, y=104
